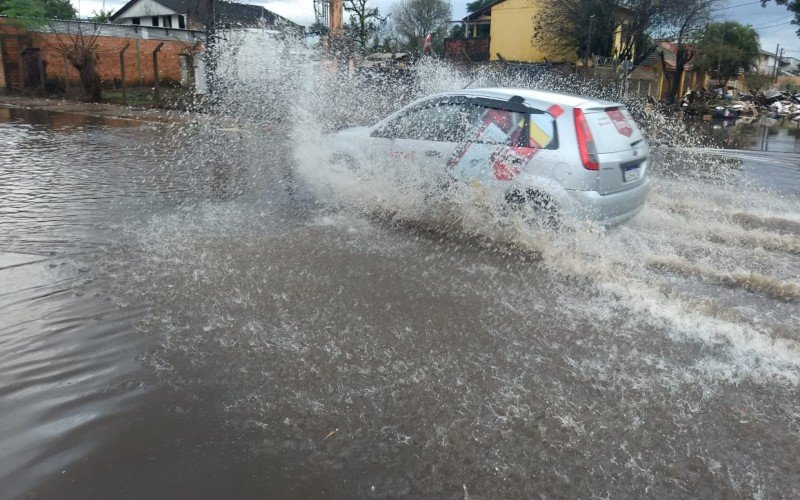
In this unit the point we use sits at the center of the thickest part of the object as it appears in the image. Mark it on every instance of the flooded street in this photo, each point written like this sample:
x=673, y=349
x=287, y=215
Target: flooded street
x=174, y=324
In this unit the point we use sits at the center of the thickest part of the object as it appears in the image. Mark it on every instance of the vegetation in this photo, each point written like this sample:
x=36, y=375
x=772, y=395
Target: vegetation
x=102, y=16
x=684, y=21
x=37, y=9
x=565, y=25
x=756, y=82
x=458, y=31
x=364, y=21
x=477, y=5
x=726, y=48
x=414, y=19
x=81, y=49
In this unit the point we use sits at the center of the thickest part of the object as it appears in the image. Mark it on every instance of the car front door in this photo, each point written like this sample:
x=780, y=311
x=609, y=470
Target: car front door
x=418, y=143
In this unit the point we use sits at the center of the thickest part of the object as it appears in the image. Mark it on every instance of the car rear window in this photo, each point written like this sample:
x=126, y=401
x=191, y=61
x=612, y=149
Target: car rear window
x=613, y=129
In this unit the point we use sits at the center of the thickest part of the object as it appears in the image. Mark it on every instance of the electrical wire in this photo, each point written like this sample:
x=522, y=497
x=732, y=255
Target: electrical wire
x=734, y=6
x=771, y=25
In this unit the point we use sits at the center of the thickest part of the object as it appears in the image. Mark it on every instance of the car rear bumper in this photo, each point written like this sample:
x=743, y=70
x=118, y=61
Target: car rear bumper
x=610, y=209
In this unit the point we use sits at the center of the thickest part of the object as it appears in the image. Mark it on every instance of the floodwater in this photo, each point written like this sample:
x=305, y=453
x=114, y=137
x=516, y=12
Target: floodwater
x=175, y=327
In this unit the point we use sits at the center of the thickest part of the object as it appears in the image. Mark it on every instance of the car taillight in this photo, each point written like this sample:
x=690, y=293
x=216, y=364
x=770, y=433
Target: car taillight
x=585, y=142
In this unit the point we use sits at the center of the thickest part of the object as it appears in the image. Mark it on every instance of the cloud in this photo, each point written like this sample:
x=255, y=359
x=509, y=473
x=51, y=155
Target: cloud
x=301, y=12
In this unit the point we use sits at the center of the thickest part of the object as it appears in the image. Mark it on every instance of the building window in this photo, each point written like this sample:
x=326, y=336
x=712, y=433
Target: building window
x=155, y=20
x=181, y=22
x=167, y=21
x=136, y=20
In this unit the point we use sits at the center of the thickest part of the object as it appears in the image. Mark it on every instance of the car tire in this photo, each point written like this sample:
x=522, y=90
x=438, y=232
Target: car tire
x=537, y=209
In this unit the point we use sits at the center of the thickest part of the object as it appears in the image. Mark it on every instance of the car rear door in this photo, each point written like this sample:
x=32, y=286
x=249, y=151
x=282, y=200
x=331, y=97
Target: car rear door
x=501, y=141
x=622, y=152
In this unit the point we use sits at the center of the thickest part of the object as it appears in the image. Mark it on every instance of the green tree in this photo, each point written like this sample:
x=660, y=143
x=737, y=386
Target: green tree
x=102, y=16
x=457, y=31
x=727, y=47
x=364, y=21
x=684, y=21
x=414, y=19
x=58, y=9
x=564, y=24
x=37, y=9
x=22, y=10
x=477, y=5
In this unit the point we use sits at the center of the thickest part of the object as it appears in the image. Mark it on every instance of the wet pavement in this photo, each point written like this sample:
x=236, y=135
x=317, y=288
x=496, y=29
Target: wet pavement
x=174, y=324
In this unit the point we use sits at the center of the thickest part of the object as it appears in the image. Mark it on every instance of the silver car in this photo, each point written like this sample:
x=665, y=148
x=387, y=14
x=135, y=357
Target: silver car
x=553, y=154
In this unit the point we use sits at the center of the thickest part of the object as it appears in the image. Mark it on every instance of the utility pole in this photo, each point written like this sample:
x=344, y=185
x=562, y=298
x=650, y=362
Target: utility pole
x=775, y=69
x=588, y=43
x=778, y=65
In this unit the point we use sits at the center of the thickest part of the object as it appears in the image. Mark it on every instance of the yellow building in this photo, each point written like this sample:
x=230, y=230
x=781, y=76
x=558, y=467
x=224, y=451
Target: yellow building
x=509, y=25
x=659, y=66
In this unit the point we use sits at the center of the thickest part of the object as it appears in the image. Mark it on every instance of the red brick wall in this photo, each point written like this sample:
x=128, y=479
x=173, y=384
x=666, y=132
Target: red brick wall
x=477, y=48
x=12, y=40
x=138, y=57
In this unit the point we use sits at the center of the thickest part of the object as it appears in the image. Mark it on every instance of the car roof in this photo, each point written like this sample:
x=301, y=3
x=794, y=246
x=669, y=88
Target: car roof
x=505, y=93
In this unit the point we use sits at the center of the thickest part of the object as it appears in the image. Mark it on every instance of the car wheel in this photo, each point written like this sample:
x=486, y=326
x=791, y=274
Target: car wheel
x=535, y=208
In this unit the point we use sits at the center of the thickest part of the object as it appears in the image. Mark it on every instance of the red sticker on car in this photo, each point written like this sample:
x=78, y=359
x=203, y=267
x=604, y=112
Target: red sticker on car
x=505, y=161
x=555, y=110
x=620, y=122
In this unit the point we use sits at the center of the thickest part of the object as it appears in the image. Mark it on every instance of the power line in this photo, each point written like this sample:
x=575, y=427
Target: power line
x=734, y=6
x=770, y=26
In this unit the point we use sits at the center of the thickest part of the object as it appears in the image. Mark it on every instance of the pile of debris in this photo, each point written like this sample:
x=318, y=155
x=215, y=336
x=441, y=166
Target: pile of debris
x=780, y=104
x=717, y=104
x=772, y=103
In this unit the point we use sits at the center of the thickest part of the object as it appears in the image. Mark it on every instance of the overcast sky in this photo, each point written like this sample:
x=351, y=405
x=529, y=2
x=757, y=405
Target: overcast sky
x=771, y=22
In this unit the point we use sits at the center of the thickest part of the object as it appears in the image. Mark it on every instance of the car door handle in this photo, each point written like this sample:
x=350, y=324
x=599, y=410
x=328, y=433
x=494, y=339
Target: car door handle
x=433, y=153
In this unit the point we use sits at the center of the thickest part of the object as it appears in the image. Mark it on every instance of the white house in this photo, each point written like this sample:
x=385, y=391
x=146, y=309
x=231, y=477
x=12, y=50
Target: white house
x=194, y=14
x=766, y=63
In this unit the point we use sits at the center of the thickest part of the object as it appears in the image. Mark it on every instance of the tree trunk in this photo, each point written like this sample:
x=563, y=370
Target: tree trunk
x=83, y=59
x=682, y=58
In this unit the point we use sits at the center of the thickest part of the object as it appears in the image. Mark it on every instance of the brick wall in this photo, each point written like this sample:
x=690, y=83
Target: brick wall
x=476, y=48
x=138, y=57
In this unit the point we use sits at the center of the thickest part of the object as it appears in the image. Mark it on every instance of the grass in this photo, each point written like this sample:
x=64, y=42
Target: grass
x=170, y=97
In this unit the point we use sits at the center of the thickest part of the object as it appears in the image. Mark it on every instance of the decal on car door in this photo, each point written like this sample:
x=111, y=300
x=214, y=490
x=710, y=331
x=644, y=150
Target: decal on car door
x=493, y=150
